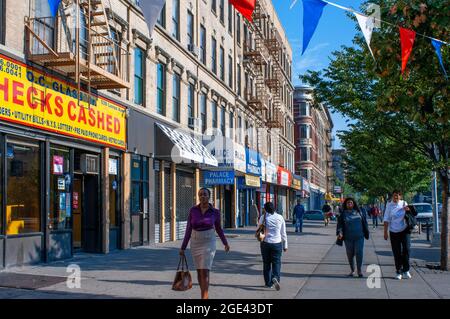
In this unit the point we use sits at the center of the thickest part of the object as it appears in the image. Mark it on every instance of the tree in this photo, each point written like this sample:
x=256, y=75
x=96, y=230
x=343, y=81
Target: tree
x=374, y=93
x=375, y=168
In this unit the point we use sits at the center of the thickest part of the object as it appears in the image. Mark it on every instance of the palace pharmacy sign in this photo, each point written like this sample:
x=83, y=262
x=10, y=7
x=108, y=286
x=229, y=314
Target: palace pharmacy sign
x=32, y=98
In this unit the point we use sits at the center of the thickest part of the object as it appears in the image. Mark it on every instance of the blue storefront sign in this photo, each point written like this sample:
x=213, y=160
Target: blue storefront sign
x=218, y=178
x=253, y=162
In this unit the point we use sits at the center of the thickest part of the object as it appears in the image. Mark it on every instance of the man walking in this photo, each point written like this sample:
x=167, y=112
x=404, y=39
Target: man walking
x=299, y=211
x=327, y=213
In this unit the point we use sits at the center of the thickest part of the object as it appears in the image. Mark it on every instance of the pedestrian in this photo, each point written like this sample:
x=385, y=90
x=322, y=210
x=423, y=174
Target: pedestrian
x=352, y=228
x=326, y=209
x=396, y=228
x=272, y=246
x=299, y=211
x=203, y=221
x=374, y=213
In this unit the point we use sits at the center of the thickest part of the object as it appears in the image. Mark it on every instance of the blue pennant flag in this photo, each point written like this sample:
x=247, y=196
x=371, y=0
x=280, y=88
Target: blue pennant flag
x=312, y=11
x=54, y=5
x=437, y=46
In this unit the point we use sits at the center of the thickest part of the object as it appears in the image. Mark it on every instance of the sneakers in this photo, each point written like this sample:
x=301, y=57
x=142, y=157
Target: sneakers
x=407, y=275
x=276, y=284
x=398, y=276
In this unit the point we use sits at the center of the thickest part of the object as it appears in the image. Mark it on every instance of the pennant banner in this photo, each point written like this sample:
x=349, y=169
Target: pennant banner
x=245, y=7
x=366, y=24
x=54, y=5
x=152, y=10
x=437, y=46
x=407, y=38
x=312, y=11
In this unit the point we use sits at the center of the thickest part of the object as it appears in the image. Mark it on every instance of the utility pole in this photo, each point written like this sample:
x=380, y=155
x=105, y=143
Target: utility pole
x=434, y=193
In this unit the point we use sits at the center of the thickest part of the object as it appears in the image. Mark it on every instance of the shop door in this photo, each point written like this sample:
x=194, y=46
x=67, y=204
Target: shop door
x=91, y=220
x=77, y=202
x=242, y=205
x=228, y=203
x=86, y=216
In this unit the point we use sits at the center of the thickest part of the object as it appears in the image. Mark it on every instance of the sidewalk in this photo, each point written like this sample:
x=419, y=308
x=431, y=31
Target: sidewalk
x=313, y=267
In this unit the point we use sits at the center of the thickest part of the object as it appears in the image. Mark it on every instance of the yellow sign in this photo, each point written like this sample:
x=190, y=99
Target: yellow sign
x=296, y=184
x=252, y=181
x=32, y=98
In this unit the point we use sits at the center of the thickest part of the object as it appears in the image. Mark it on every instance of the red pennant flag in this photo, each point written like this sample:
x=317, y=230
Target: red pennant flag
x=246, y=7
x=407, y=38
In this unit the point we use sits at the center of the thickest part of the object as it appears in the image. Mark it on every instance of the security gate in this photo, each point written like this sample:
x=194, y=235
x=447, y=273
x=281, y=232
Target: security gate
x=185, y=200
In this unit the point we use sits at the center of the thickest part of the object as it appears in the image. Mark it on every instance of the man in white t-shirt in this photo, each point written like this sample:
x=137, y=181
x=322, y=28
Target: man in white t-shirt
x=396, y=228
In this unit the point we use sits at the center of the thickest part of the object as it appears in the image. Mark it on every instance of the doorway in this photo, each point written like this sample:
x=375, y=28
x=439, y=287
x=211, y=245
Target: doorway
x=86, y=216
x=228, y=203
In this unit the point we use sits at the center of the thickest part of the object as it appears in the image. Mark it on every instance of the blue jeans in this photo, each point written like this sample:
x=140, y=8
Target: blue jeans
x=271, y=255
x=355, y=248
x=375, y=221
x=299, y=224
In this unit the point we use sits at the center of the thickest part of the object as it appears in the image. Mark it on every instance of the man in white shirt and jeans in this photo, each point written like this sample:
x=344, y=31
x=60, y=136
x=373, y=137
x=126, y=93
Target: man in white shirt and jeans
x=394, y=221
x=273, y=245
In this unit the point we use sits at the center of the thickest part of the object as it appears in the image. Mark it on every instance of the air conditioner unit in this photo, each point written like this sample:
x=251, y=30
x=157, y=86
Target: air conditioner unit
x=89, y=164
x=195, y=123
x=194, y=49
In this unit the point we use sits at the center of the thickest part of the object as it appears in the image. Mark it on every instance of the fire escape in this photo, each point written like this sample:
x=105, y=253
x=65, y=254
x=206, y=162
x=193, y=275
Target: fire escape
x=255, y=61
x=274, y=80
x=79, y=44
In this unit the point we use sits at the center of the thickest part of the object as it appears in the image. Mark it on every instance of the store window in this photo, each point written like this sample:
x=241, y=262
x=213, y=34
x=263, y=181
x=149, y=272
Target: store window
x=23, y=212
x=139, y=184
x=60, y=189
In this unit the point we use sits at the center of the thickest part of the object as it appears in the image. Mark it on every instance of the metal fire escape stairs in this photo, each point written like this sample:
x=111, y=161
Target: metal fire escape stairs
x=86, y=53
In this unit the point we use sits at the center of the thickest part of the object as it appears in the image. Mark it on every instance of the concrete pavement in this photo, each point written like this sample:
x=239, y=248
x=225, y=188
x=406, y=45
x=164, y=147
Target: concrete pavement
x=313, y=267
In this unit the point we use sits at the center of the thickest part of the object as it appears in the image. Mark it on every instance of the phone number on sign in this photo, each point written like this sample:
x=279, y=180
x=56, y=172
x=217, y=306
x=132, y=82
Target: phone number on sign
x=10, y=68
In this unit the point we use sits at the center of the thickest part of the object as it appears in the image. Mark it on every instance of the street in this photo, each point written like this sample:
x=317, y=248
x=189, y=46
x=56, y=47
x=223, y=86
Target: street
x=313, y=268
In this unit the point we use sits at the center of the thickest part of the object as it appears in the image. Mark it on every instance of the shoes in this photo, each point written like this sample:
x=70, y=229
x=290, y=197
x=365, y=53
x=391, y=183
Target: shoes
x=276, y=284
x=398, y=276
x=350, y=274
x=407, y=275
x=270, y=287
x=360, y=275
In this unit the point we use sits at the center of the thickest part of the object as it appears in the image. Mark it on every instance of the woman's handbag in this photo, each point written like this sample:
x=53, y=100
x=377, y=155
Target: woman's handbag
x=339, y=241
x=183, y=278
x=261, y=231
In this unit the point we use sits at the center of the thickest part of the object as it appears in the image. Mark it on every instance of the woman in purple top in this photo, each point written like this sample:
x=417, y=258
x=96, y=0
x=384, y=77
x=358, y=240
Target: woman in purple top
x=203, y=222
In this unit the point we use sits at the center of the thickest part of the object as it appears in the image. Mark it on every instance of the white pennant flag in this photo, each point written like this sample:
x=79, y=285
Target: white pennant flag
x=151, y=10
x=366, y=24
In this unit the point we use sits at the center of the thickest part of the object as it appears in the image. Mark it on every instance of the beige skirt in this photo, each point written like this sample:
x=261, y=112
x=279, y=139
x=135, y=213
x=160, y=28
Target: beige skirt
x=203, y=248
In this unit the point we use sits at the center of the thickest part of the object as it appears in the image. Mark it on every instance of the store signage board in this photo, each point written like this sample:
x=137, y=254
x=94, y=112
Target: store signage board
x=41, y=101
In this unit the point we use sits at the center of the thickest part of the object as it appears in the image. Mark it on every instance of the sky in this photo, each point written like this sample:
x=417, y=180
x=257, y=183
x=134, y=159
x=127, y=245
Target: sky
x=334, y=30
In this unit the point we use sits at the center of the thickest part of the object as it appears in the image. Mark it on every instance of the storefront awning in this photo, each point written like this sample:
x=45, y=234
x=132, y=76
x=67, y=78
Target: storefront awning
x=177, y=146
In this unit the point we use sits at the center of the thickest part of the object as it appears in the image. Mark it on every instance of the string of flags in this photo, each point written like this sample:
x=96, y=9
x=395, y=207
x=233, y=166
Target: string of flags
x=312, y=12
